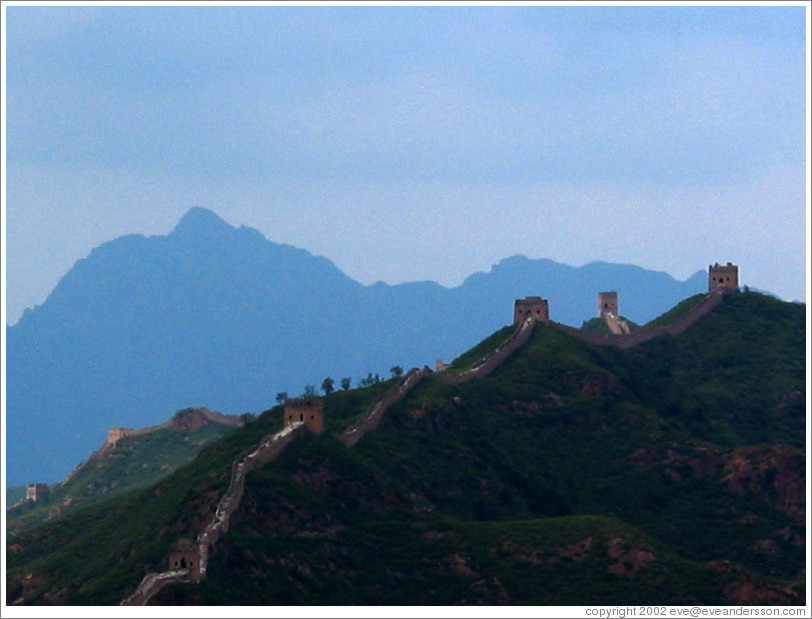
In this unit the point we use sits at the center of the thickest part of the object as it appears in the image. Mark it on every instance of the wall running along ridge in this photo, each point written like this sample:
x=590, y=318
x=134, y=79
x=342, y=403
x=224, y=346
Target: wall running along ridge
x=272, y=446
x=644, y=334
x=269, y=449
x=376, y=410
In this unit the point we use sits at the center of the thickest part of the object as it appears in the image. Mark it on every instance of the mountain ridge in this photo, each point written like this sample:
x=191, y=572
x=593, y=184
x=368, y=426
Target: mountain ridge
x=129, y=458
x=218, y=316
x=670, y=473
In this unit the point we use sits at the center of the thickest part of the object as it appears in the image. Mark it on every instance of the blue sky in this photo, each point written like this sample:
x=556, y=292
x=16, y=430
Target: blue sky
x=410, y=143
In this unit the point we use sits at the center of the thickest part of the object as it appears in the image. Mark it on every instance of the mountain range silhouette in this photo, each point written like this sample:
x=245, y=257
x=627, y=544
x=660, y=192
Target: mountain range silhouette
x=218, y=316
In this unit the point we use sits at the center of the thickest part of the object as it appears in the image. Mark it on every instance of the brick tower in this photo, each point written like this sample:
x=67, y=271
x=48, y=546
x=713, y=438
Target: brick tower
x=308, y=410
x=535, y=307
x=607, y=304
x=724, y=277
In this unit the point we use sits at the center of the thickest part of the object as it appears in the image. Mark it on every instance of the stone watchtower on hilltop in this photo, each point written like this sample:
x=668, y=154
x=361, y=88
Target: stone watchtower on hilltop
x=534, y=307
x=36, y=492
x=607, y=304
x=723, y=277
x=310, y=411
x=115, y=434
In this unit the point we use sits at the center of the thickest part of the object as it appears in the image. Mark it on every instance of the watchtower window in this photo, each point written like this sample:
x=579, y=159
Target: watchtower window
x=301, y=416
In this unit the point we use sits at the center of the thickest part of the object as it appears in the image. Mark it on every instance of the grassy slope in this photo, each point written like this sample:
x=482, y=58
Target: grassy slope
x=554, y=480
x=134, y=462
x=738, y=377
x=470, y=358
x=99, y=554
x=677, y=312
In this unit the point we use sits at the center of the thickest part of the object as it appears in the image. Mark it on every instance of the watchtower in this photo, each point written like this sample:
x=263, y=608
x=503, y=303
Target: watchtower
x=186, y=556
x=308, y=410
x=35, y=492
x=534, y=307
x=723, y=277
x=114, y=434
x=607, y=304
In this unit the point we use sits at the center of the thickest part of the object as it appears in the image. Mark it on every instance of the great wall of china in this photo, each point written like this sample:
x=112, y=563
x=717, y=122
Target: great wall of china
x=117, y=433
x=375, y=411
x=644, y=334
x=490, y=362
x=196, y=562
x=524, y=329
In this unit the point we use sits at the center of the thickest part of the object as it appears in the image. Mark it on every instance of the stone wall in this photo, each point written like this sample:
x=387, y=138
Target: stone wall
x=300, y=412
x=376, y=410
x=196, y=557
x=523, y=332
x=269, y=449
x=488, y=364
x=645, y=334
x=152, y=583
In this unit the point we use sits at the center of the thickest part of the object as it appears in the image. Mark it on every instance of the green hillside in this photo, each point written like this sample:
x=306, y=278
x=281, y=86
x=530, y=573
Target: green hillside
x=678, y=311
x=134, y=461
x=669, y=473
x=598, y=325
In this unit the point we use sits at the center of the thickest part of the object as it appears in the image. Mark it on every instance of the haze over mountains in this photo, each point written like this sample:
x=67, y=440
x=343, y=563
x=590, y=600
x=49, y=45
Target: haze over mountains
x=217, y=316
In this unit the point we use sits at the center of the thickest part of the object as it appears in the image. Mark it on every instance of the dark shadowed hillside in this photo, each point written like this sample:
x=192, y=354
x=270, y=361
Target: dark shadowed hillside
x=672, y=472
x=217, y=316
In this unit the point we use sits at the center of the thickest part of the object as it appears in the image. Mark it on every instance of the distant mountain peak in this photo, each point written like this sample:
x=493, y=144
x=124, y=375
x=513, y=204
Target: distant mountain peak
x=199, y=221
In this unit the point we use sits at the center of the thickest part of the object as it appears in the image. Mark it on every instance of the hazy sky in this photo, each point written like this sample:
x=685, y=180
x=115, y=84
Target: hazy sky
x=408, y=143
